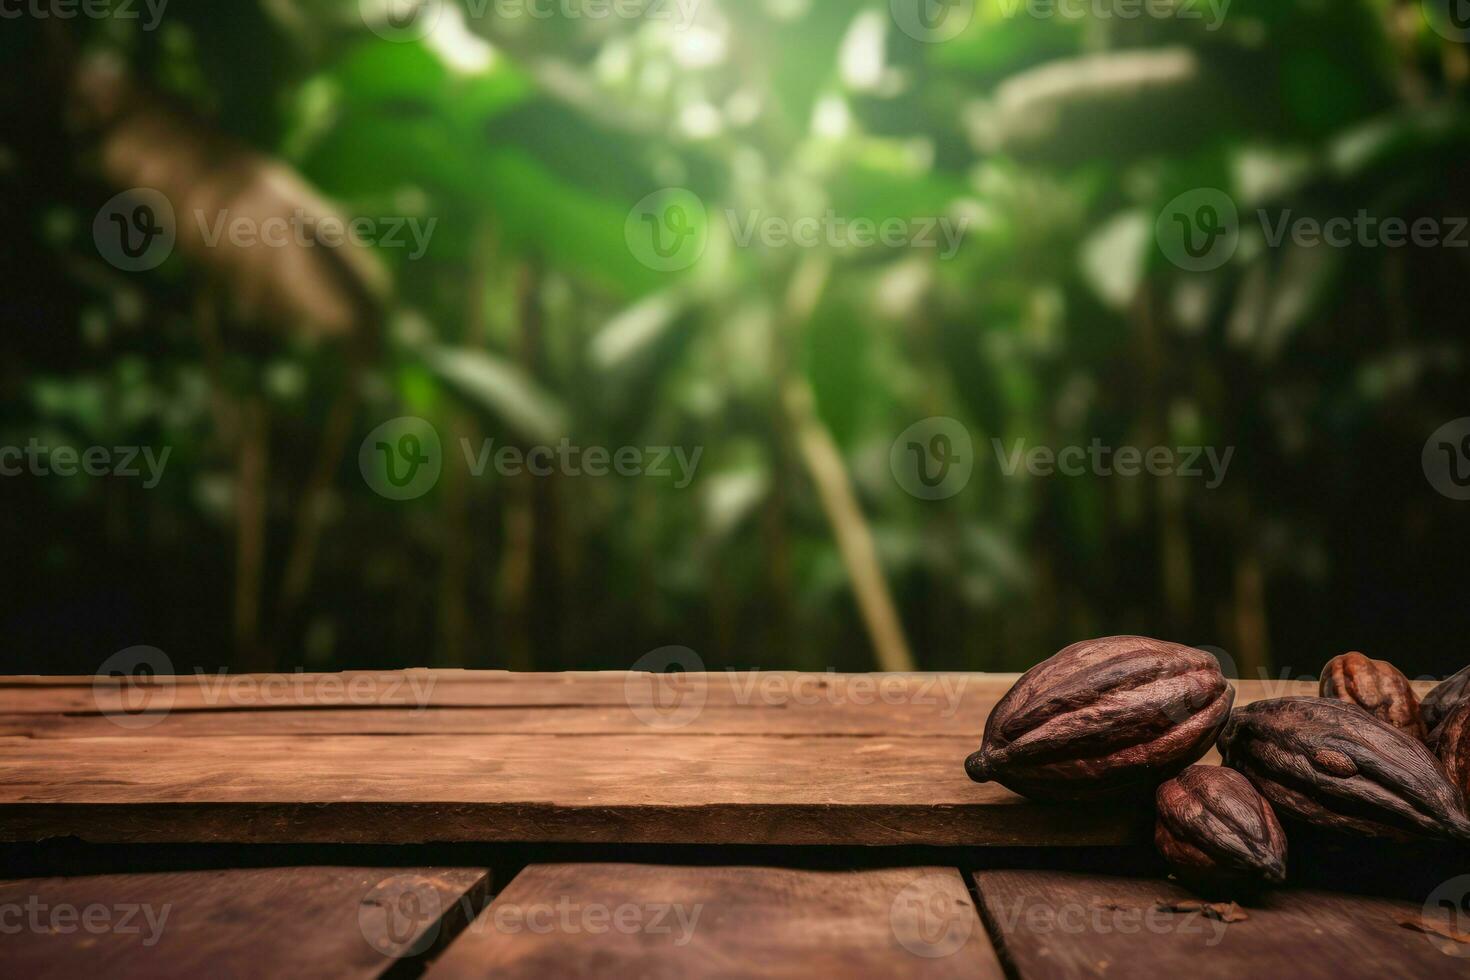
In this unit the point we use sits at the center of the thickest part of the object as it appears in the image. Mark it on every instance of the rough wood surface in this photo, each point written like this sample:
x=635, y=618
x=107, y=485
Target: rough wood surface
x=1057, y=925
x=263, y=922
x=615, y=788
x=613, y=920
x=777, y=758
x=899, y=721
x=470, y=689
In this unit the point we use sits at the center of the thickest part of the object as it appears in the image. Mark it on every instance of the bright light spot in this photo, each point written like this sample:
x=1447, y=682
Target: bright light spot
x=788, y=9
x=655, y=78
x=699, y=47
x=460, y=50
x=831, y=118
x=614, y=65
x=902, y=287
x=861, y=60
x=700, y=120
x=743, y=107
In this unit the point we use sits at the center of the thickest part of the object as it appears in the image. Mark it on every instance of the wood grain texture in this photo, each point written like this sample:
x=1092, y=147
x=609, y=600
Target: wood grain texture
x=931, y=694
x=471, y=689
x=899, y=721
x=627, y=789
x=777, y=758
x=1057, y=925
x=564, y=921
x=263, y=922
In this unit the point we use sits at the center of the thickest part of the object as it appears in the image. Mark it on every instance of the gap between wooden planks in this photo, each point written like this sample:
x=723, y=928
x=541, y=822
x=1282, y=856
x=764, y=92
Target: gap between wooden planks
x=606, y=758
x=600, y=920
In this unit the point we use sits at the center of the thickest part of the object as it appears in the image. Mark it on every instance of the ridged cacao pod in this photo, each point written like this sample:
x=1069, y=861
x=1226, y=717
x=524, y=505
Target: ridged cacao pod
x=1451, y=742
x=1376, y=686
x=1107, y=717
x=1214, y=828
x=1332, y=765
x=1439, y=702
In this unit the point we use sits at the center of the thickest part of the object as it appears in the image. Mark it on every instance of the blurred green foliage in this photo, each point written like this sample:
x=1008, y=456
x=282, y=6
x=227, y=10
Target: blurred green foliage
x=529, y=320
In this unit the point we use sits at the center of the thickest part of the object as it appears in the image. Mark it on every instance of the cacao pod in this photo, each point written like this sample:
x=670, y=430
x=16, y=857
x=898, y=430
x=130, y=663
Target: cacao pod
x=1215, y=828
x=1441, y=701
x=1376, y=686
x=1102, y=718
x=1332, y=765
x=1451, y=742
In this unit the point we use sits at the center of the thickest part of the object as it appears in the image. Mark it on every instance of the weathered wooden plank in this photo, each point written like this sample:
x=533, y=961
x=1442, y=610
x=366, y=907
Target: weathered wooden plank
x=262, y=922
x=672, y=694
x=632, y=789
x=897, y=721
x=756, y=758
x=1058, y=924
x=604, y=920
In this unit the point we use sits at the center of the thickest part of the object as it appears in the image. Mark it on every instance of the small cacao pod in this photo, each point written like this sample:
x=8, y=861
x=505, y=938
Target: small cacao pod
x=1213, y=827
x=1451, y=742
x=1332, y=765
x=1439, y=702
x=1376, y=686
x=1102, y=718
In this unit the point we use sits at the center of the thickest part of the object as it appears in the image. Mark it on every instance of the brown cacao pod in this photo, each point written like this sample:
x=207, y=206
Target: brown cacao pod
x=1376, y=686
x=1102, y=718
x=1215, y=828
x=1442, y=700
x=1332, y=765
x=1451, y=742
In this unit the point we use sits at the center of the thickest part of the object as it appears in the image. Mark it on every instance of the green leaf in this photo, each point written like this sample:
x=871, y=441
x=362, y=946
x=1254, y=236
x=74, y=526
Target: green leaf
x=502, y=389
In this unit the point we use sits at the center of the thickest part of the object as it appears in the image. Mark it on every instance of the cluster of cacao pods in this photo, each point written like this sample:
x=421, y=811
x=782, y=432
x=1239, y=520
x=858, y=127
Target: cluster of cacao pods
x=1129, y=716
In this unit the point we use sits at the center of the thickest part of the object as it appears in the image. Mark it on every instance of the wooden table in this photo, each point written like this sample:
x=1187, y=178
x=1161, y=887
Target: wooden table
x=874, y=854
